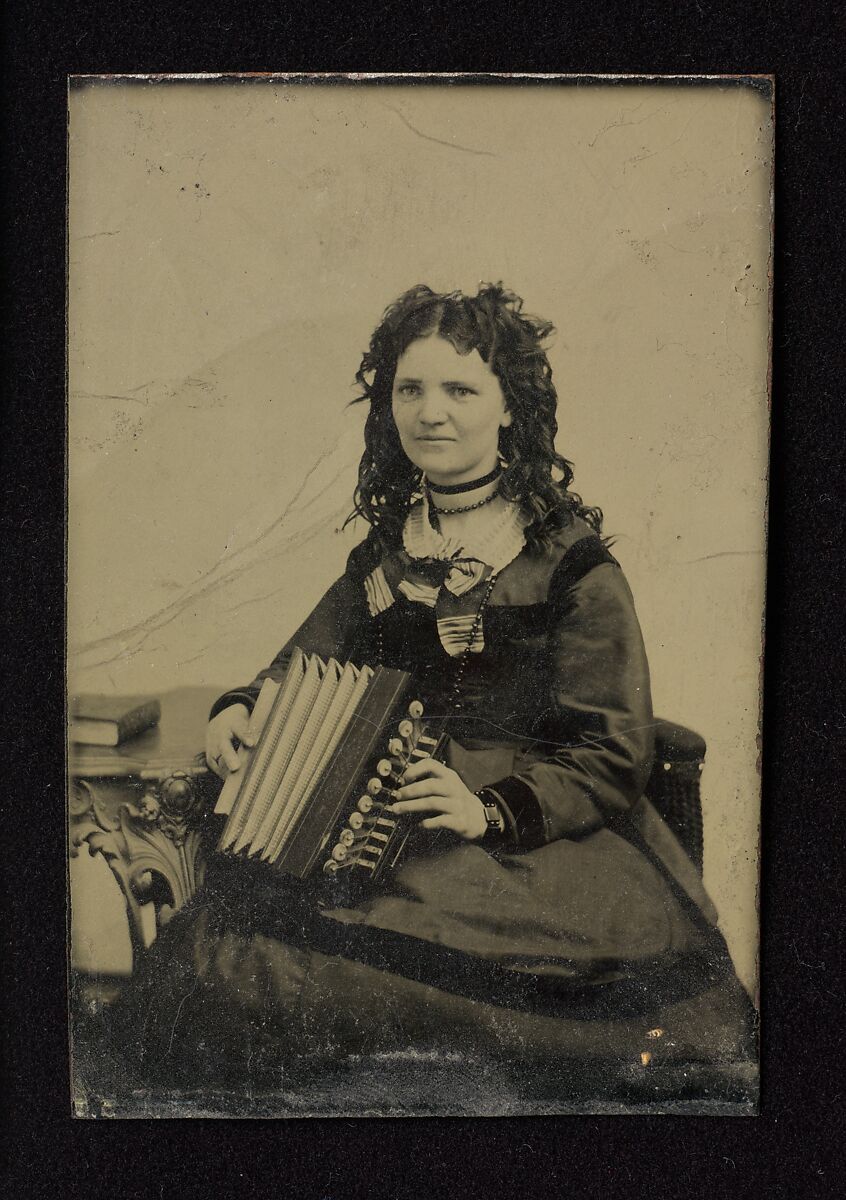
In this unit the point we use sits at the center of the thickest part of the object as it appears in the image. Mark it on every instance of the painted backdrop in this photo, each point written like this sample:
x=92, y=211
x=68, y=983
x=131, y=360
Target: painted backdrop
x=233, y=244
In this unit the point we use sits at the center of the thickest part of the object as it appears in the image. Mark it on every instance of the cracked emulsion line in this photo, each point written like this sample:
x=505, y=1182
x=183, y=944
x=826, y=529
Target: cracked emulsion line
x=293, y=543
x=166, y=615
x=183, y=662
x=439, y=141
x=615, y=187
x=622, y=123
x=305, y=536
x=125, y=398
x=637, y=158
x=685, y=562
x=196, y=590
x=187, y=996
x=514, y=733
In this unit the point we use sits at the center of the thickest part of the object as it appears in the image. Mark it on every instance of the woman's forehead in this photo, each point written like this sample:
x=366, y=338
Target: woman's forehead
x=437, y=356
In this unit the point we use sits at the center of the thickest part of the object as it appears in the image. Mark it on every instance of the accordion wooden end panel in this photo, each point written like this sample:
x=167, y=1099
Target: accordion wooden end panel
x=333, y=744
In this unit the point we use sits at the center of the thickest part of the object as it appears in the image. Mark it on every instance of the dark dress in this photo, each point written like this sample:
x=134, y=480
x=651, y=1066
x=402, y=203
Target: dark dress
x=584, y=937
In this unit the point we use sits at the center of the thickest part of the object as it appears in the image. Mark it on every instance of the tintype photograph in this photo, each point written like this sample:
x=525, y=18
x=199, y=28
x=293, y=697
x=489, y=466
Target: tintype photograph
x=417, y=489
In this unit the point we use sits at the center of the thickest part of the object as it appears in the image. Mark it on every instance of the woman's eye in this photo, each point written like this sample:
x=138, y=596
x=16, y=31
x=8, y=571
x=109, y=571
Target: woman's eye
x=408, y=390
x=462, y=392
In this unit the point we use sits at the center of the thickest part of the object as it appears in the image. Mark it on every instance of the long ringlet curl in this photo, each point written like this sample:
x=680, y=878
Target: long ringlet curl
x=535, y=476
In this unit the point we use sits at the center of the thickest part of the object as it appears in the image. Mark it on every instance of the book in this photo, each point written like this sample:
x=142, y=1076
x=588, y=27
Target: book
x=111, y=720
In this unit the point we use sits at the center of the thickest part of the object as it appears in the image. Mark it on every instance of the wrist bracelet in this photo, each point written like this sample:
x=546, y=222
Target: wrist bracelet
x=493, y=813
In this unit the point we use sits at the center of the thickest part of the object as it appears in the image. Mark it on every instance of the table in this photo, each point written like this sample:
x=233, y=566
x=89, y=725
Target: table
x=142, y=807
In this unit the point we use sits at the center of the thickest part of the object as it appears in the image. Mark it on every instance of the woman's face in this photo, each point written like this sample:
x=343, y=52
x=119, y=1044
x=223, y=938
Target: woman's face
x=448, y=409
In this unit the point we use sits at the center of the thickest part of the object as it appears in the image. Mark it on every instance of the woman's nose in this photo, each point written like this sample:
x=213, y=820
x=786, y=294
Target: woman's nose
x=431, y=410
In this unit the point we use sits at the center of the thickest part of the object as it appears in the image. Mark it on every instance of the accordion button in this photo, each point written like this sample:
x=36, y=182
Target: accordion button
x=339, y=852
x=374, y=786
x=356, y=820
x=365, y=804
x=396, y=747
x=406, y=729
x=347, y=837
x=415, y=710
x=385, y=768
x=329, y=867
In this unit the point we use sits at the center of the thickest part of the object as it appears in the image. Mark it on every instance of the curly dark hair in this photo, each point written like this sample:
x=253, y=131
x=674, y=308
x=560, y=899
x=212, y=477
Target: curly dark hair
x=535, y=475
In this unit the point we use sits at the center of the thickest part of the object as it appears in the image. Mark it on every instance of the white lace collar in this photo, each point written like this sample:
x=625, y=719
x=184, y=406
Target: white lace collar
x=496, y=544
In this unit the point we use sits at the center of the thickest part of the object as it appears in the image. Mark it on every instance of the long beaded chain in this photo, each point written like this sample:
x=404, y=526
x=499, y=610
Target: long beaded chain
x=454, y=700
x=454, y=697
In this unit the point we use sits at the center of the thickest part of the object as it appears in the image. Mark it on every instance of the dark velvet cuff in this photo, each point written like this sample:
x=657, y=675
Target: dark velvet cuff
x=237, y=697
x=521, y=810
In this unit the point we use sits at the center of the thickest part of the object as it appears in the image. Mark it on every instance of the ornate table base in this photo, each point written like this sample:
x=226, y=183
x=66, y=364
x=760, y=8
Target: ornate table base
x=148, y=831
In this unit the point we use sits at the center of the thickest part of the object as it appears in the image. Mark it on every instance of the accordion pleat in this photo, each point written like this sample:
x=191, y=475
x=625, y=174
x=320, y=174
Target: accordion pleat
x=299, y=724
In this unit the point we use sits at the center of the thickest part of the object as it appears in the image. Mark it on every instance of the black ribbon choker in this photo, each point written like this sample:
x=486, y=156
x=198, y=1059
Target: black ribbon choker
x=455, y=489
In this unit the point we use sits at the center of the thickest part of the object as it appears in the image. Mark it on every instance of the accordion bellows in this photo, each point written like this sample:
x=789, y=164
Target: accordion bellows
x=333, y=743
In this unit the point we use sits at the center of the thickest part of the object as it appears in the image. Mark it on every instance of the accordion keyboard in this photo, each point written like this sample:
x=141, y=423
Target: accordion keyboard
x=372, y=840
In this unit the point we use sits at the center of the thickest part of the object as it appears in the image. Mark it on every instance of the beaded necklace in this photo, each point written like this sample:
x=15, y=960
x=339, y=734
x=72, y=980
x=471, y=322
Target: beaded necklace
x=465, y=508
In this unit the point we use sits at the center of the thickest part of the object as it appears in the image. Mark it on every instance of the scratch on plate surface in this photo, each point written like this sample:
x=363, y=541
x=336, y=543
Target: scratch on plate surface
x=206, y=582
x=439, y=141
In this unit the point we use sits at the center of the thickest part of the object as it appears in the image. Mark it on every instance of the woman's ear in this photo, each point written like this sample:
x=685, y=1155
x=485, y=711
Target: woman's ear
x=506, y=420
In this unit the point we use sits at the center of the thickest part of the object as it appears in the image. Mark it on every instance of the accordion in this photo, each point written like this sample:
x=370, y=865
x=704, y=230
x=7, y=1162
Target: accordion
x=333, y=743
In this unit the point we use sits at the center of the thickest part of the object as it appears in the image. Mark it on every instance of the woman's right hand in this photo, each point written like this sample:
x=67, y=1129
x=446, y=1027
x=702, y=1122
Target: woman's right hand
x=230, y=725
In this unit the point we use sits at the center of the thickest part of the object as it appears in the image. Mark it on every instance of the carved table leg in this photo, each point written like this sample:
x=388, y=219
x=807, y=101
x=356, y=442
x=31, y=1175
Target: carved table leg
x=148, y=834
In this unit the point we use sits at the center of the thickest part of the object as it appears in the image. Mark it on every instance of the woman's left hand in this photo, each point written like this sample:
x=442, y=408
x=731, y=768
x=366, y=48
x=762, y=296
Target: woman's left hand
x=430, y=787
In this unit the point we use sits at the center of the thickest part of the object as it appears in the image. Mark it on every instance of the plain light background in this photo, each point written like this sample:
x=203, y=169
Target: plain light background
x=233, y=244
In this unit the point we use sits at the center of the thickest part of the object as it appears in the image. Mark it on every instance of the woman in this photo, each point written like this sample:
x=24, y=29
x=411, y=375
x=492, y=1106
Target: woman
x=547, y=911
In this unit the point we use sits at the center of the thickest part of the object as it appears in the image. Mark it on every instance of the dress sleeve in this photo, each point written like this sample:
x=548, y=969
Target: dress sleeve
x=331, y=630
x=600, y=700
